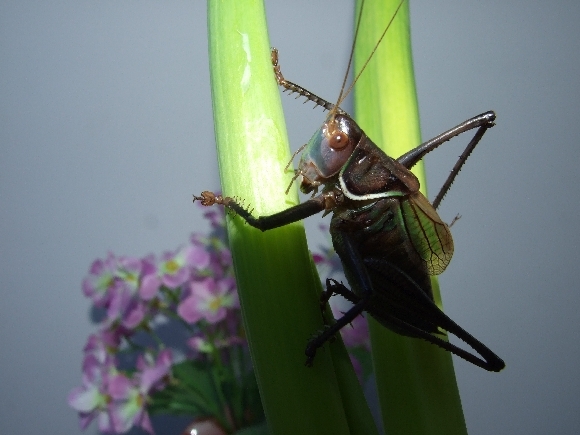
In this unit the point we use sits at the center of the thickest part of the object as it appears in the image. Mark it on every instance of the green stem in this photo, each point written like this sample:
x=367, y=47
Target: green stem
x=277, y=284
x=417, y=388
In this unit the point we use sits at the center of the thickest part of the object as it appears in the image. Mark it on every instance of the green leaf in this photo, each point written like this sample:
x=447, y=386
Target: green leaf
x=191, y=392
x=277, y=286
x=416, y=382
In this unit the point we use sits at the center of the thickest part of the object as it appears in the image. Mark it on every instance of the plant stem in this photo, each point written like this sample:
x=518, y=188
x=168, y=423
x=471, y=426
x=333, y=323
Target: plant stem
x=277, y=286
x=416, y=382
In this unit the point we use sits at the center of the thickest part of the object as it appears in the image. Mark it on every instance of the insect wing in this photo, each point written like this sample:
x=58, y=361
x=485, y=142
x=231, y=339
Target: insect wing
x=429, y=235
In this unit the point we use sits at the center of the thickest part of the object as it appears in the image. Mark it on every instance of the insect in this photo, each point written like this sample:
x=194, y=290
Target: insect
x=388, y=236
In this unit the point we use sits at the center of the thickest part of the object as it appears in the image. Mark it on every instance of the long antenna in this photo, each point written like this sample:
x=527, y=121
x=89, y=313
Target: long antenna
x=354, y=39
x=343, y=95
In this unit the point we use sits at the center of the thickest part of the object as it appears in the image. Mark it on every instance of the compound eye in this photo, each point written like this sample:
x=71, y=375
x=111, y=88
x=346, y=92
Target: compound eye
x=337, y=140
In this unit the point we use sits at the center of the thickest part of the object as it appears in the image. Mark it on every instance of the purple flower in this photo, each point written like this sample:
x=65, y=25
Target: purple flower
x=149, y=286
x=103, y=344
x=101, y=280
x=130, y=395
x=209, y=299
x=91, y=400
x=128, y=406
x=196, y=282
x=174, y=267
x=126, y=307
x=129, y=271
x=114, y=283
x=225, y=257
x=318, y=259
x=125, y=301
x=134, y=312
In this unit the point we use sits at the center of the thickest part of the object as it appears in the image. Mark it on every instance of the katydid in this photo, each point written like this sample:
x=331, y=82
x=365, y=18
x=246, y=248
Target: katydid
x=388, y=236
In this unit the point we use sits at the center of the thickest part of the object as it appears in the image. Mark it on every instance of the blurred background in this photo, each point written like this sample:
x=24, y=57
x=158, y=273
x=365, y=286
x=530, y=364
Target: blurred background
x=106, y=131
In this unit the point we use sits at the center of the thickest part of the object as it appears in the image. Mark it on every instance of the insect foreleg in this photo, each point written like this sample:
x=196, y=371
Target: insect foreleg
x=329, y=332
x=294, y=88
x=264, y=223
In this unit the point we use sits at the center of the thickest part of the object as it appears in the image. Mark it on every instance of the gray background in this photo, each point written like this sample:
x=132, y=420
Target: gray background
x=106, y=131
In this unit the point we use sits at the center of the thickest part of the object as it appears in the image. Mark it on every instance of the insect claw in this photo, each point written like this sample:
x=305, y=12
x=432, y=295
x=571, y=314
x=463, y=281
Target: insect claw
x=209, y=198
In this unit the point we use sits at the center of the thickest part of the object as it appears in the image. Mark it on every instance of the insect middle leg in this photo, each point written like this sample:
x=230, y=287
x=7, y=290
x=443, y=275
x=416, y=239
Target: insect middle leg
x=333, y=287
x=352, y=260
x=329, y=332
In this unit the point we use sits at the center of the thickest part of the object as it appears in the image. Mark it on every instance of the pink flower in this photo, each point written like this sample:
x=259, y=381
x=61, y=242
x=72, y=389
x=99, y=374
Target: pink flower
x=153, y=370
x=126, y=302
x=126, y=307
x=174, y=268
x=101, y=280
x=134, y=313
x=91, y=400
x=128, y=406
x=140, y=295
x=130, y=395
x=209, y=300
x=149, y=286
x=129, y=271
x=114, y=283
x=318, y=259
x=102, y=344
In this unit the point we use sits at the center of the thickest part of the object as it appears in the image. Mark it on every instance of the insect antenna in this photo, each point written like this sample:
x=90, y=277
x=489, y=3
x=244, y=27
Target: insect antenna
x=340, y=98
x=343, y=94
x=298, y=151
x=296, y=175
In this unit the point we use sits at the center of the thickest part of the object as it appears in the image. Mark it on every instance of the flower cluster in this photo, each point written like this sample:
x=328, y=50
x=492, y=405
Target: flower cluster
x=170, y=338
x=127, y=362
